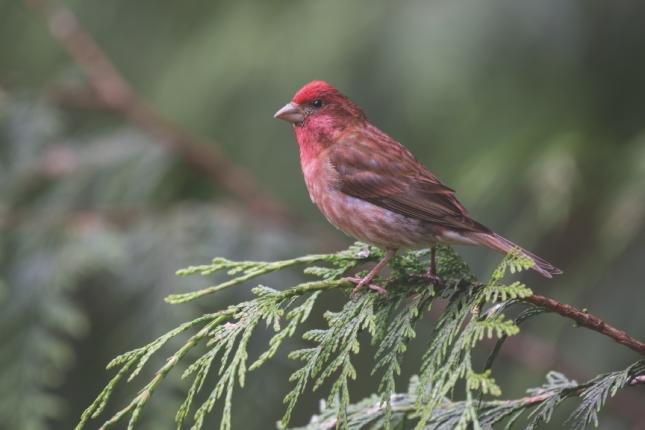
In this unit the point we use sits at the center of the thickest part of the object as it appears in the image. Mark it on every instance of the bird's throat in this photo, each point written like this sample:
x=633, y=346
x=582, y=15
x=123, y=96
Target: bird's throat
x=311, y=142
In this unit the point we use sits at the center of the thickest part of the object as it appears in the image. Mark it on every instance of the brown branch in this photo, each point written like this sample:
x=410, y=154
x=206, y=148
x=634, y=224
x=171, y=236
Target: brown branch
x=113, y=92
x=588, y=320
x=540, y=356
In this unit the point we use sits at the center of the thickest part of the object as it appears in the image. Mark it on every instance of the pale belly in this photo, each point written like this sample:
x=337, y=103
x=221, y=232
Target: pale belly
x=372, y=224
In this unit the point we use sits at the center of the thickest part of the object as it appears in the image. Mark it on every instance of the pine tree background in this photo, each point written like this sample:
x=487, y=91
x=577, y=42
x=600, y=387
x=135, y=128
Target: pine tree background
x=532, y=111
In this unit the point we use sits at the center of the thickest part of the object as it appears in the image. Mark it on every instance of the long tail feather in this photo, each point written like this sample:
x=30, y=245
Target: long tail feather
x=503, y=245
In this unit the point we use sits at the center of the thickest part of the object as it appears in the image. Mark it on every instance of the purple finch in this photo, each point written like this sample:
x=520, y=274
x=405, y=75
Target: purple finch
x=372, y=188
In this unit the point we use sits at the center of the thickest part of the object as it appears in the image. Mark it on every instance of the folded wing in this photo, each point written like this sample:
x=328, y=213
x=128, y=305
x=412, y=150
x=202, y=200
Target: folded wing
x=393, y=179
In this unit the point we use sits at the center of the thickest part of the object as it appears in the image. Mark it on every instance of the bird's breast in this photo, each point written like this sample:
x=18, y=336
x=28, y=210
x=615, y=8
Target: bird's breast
x=358, y=218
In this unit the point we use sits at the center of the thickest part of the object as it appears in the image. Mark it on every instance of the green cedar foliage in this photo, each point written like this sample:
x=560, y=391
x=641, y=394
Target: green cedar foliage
x=536, y=408
x=450, y=392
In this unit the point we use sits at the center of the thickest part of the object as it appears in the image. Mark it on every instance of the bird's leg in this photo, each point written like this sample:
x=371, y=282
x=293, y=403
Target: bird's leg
x=431, y=275
x=360, y=283
x=433, y=260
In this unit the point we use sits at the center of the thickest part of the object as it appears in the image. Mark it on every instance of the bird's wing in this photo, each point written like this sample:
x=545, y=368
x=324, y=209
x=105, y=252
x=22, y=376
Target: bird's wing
x=392, y=178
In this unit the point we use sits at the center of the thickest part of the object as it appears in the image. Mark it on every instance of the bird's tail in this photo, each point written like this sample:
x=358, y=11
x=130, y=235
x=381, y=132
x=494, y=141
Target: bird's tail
x=498, y=243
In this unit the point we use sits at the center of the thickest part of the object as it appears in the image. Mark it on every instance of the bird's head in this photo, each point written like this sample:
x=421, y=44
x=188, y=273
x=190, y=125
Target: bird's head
x=318, y=106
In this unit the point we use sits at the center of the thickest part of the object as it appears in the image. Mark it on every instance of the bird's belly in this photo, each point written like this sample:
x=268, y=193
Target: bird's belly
x=371, y=223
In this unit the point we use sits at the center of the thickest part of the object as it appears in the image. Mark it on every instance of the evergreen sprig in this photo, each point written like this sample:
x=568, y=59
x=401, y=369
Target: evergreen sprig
x=247, y=270
x=474, y=311
x=537, y=408
x=448, y=359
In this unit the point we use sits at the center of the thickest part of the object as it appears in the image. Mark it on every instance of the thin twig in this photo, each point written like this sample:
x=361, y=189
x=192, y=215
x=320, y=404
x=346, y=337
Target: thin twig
x=113, y=92
x=539, y=398
x=588, y=320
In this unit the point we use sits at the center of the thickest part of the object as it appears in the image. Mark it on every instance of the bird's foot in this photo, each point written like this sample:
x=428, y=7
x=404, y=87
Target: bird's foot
x=433, y=278
x=364, y=282
x=426, y=278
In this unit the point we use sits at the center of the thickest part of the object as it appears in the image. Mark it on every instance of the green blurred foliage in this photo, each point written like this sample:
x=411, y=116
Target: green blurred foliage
x=533, y=111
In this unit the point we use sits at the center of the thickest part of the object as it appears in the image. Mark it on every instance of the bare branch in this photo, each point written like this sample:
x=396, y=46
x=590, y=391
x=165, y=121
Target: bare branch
x=114, y=93
x=588, y=320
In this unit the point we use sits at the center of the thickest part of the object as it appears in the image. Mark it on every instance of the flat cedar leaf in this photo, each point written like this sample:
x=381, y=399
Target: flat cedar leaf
x=451, y=390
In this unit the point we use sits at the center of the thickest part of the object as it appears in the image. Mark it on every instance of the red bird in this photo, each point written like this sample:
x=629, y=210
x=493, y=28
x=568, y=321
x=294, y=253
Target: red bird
x=372, y=188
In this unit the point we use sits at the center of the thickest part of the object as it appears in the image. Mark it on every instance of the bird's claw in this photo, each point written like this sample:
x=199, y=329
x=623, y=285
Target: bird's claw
x=433, y=278
x=426, y=277
x=380, y=290
x=364, y=282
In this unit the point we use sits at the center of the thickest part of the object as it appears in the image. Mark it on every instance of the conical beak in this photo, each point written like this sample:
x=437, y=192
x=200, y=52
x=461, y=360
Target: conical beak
x=291, y=112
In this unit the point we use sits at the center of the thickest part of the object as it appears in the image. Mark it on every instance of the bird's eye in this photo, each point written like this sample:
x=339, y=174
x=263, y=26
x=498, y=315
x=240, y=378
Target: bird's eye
x=316, y=103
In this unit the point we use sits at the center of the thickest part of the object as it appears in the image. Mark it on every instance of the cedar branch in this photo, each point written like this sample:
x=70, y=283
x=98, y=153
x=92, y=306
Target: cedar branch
x=587, y=320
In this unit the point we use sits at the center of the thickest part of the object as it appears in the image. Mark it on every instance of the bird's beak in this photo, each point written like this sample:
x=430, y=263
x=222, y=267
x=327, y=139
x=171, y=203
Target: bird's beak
x=291, y=112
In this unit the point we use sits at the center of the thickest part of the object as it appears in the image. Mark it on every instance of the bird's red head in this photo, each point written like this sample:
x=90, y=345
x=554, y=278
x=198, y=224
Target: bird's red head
x=316, y=90
x=320, y=114
x=318, y=104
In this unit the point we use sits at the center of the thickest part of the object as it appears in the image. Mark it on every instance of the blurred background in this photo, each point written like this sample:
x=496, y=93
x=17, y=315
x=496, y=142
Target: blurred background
x=160, y=150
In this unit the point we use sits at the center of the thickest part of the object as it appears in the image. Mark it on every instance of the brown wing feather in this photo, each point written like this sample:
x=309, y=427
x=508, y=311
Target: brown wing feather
x=393, y=179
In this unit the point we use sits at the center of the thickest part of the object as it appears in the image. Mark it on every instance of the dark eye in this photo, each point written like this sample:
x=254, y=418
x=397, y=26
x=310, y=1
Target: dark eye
x=316, y=103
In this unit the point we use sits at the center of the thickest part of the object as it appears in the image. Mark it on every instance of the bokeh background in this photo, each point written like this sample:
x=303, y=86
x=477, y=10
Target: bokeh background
x=533, y=111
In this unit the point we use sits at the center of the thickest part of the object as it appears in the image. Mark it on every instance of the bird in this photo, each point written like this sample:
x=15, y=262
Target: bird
x=371, y=187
